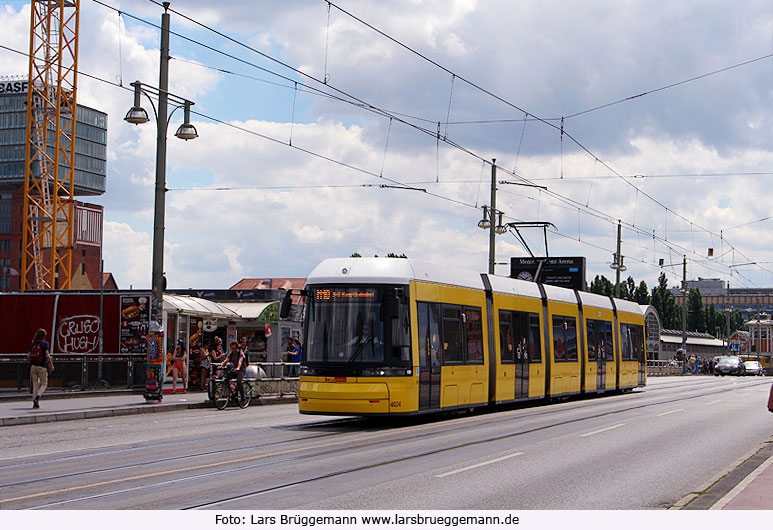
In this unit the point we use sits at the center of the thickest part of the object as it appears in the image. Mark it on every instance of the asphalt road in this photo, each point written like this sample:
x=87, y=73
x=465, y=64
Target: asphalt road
x=646, y=449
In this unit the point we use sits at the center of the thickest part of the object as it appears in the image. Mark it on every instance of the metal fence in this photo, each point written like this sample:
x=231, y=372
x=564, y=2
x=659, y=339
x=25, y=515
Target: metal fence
x=115, y=371
x=664, y=367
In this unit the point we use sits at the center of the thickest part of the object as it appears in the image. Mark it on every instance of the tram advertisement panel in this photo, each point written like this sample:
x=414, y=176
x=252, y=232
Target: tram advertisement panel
x=135, y=316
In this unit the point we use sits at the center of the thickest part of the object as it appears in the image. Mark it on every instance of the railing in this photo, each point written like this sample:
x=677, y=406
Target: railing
x=664, y=367
x=277, y=378
x=116, y=371
x=77, y=372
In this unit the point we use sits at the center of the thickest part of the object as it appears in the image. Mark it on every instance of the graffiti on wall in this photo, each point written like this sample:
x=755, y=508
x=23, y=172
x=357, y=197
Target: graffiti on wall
x=78, y=334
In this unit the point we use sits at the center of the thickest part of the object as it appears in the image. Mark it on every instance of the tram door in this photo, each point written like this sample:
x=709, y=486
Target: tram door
x=429, y=356
x=521, y=374
x=600, y=349
x=605, y=353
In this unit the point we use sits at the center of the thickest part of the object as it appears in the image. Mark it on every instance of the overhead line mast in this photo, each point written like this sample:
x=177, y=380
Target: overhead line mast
x=49, y=173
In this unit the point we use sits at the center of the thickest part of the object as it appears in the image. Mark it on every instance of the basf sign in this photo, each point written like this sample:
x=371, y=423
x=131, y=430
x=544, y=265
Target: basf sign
x=13, y=87
x=561, y=272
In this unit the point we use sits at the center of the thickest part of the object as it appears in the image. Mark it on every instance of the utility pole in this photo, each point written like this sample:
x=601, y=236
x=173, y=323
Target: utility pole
x=684, y=305
x=728, y=312
x=617, y=262
x=492, y=228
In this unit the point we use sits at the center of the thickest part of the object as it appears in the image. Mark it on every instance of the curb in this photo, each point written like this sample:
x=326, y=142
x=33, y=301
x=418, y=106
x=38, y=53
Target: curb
x=709, y=494
x=127, y=411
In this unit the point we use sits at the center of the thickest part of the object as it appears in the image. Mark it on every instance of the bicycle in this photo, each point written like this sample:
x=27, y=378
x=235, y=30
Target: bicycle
x=225, y=392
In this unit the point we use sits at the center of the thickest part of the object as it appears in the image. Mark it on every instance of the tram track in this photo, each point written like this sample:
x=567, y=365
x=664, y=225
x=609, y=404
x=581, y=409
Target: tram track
x=364, y=442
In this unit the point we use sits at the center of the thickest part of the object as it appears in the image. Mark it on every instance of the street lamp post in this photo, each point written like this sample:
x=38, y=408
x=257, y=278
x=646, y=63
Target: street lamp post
x=137, y=115
x=492, y=218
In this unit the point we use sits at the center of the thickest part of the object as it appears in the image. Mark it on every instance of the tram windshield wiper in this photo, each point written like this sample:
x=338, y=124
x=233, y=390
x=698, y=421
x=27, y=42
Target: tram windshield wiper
x=357, y=353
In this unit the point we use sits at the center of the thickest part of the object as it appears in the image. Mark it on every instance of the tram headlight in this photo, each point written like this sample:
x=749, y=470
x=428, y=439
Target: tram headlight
x=308, y=371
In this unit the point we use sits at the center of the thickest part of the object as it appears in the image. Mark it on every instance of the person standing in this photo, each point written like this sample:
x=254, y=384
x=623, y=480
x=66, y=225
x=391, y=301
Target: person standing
x=178, y=365
x=40, y=363
x=244, y=349
x=204, y=360
x=295, y=357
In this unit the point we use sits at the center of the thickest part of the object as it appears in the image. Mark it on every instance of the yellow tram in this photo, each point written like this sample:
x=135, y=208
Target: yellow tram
x=387, y=336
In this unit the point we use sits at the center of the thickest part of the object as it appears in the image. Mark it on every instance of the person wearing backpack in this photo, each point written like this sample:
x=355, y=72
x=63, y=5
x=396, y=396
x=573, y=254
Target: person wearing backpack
x=40, y=363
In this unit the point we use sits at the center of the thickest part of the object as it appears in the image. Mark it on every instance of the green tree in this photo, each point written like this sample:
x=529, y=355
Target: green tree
x=600, y=285
x=665, y=304
x=696, y=319
x=642, y=294
x=355, y=255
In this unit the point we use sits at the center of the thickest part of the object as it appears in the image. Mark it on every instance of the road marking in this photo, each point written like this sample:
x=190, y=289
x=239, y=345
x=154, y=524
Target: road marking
x=670, y=412
x=602, y=430
x=713, y=402
x=478, y=465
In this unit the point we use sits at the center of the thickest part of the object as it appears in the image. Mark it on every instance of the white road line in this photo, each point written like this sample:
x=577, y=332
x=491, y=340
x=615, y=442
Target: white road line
x=713, y=402
x=602, y=430
x=478, y=465
x=670, y=412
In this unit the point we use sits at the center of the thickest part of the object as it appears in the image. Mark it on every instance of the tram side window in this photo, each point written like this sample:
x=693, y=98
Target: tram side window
x=506, y=349
x=473, y=330
x=535, y=348
x=591, y=334
x=519, y=337
x=564, y=339
x=429, y=334
x=609, y=347
x=633, y=342
x=452, y=334
x=599, y=339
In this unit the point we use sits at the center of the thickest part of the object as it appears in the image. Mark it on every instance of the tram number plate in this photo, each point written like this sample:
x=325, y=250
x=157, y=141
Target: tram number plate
x=395, y=404
x=335, y=380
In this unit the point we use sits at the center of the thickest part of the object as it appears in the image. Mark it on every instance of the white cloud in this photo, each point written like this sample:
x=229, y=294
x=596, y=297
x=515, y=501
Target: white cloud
x=551, y=58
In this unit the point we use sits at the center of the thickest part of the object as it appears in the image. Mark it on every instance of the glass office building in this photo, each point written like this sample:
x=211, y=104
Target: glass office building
x=89, y=180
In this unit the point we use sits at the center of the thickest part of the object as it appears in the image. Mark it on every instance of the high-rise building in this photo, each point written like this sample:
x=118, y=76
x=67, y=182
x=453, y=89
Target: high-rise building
x=90, y=179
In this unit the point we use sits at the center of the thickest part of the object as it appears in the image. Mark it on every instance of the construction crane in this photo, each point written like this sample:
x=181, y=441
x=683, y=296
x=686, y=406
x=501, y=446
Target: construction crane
x=49, y=173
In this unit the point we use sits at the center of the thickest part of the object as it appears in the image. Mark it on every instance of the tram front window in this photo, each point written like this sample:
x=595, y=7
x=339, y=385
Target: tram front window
x=351, y=326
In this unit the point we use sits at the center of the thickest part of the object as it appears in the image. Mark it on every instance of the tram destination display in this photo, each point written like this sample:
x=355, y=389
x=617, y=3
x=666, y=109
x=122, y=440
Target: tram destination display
x=561, y=272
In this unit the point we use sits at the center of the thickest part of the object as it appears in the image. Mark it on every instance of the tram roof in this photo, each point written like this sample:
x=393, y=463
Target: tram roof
x=400, y=271
x=391, y=271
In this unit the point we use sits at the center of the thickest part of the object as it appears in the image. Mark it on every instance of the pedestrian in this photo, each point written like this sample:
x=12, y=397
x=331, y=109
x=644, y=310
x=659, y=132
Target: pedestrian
x=204, y=360
x=238, y=363
x=178, y=364
x=40, y=364
x=243, y=347
x=295, y=357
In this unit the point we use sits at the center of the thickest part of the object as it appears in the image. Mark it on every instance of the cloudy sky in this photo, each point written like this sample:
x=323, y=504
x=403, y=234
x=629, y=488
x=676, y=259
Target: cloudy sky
x=288, y=170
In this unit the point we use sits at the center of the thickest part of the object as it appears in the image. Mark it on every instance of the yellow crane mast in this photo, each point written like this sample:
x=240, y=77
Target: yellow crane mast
x=50, y=147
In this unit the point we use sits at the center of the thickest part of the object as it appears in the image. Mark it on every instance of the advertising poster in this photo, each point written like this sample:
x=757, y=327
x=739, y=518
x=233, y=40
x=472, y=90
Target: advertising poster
x=135, y=316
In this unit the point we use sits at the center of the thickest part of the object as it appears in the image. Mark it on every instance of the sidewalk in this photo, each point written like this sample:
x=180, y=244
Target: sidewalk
x=745, y=486
x=17, y=409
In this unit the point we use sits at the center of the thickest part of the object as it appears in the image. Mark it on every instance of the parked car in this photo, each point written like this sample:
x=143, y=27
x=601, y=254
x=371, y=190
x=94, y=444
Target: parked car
x=753, y=368
x=729, y=366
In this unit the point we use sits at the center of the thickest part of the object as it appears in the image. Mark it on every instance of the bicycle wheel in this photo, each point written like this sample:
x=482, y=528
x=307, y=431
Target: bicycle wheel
x=222, y=394
x=211, y=389
x=244, y=402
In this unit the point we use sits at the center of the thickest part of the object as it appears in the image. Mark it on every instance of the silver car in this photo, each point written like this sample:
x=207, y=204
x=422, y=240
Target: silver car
x=753, y=368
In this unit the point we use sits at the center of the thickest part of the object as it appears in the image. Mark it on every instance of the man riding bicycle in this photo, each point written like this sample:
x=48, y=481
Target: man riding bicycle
x=238, y=361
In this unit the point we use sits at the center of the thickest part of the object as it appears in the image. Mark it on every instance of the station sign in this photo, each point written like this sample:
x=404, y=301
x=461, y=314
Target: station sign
x=568, y=272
